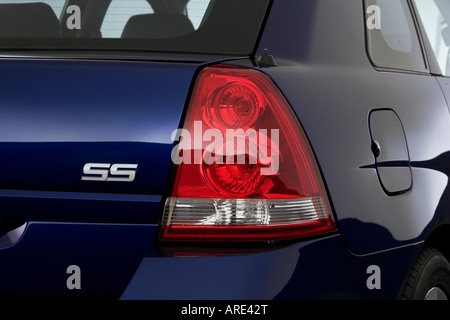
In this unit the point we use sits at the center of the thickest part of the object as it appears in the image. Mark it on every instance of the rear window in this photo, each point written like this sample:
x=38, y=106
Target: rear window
x=197, y=26
x=395, y=44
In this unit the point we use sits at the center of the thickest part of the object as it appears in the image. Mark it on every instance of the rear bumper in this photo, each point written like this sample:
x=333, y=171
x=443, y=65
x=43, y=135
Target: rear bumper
x=317, y=269
x=39, y=261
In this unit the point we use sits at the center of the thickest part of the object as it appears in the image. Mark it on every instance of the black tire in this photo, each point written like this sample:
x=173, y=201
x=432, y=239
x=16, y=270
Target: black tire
x=431, y=270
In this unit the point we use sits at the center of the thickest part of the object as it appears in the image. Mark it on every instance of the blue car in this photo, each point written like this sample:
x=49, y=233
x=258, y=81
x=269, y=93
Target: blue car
x=225, y=149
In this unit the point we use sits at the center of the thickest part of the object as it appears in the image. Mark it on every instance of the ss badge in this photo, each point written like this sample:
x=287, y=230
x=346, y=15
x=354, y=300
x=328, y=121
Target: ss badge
x=109, y=172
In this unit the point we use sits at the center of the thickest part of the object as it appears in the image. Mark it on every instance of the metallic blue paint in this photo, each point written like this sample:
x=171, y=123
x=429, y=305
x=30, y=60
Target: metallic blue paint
x=107, y=255
x=56, y=115
x=315, y=269
x=369, y=219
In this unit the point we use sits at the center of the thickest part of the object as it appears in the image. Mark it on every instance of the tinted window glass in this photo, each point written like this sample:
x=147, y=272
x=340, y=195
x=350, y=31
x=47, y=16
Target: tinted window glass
x=435, y=17
x=118, y=14
x=394, y=43
x=56, y=5
x=196, y=11
x=120, y=11
x=198, y=26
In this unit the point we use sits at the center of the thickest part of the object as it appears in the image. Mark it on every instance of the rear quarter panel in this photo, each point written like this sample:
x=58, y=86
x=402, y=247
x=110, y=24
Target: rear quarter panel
x=324, y=71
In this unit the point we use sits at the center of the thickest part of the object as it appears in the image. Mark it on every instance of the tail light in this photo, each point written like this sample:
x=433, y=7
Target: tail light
x=244, y=168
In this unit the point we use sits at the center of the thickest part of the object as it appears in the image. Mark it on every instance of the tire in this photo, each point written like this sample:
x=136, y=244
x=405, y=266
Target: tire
x=429, y=278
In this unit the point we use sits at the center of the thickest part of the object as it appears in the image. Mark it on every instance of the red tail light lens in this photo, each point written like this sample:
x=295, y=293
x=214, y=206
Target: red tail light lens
x=236, y=105
x=245, y=170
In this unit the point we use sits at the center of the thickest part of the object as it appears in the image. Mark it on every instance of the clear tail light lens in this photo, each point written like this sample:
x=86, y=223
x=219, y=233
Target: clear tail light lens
x=244, y=168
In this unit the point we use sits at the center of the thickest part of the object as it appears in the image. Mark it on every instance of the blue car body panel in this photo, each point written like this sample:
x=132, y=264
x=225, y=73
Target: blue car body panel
x=315, y=65
x=73, y=112
x=56, y=115
x=315, y=269
x=107, y=255
x=389, y=233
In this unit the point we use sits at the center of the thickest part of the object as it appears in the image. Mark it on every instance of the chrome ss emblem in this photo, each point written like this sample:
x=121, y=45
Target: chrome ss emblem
x=109, y=172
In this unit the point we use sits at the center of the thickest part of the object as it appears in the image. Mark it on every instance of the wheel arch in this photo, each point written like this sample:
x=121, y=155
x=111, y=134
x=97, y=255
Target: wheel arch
x=439, y=239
